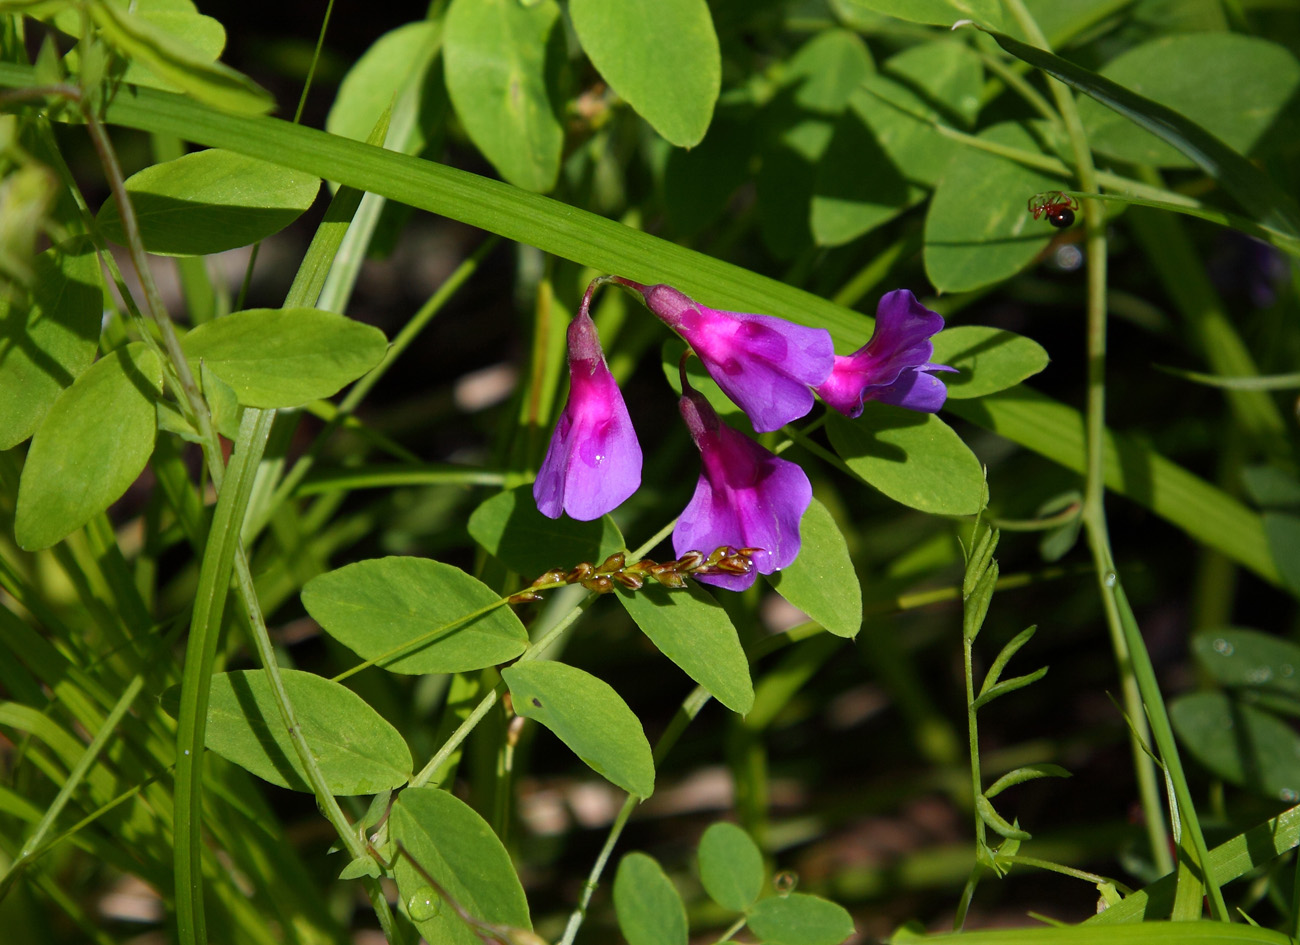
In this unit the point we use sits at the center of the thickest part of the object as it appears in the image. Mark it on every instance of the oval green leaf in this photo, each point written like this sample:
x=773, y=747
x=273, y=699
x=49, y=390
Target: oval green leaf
x=1248, y=658
x=661, y=56
x=48, y=339
x=800, y=919
x=934, y=12
x=988, y=359
x=178, y=63
x=587, y=715
x=822, y=581
x=373, y=82
x=458, y=849
x=509, y=527
x=1246, y=69
x=357, y=751
x=92, y=444
x=500, y=59
x=650, y=911
x=691, y=629
x=285, y=357
x=375, y=606
x=965, y=250
x=1240, y=743
x=731, y=867
x=882, y=152
x=210, y=201
x=914, y=458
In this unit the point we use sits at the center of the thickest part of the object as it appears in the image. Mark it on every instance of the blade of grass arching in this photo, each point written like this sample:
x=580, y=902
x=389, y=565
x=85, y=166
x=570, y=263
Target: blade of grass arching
x=1193, y=840
x=1251, y=187
x=200, y=655
x=1229, y=861
x=583, y=237
x=73, y=781
x=1288, y=244
x=1054, y=430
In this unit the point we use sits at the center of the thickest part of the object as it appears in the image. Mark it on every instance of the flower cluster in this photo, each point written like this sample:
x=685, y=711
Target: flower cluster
x=747, y=497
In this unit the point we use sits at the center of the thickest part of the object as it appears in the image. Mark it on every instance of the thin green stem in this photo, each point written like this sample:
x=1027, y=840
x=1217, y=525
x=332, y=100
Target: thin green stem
x=683, y=717
x=325, y=799
x=1124, y=644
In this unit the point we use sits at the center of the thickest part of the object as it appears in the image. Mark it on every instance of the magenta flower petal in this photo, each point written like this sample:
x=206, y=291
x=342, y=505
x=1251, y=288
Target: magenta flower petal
x=594, y=460
x=894, y=366
x=747, y=497
x=765, y=364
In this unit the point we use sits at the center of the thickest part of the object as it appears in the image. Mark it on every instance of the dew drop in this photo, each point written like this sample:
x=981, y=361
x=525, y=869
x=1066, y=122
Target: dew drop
x=1110, y=579
x=1259, y=675
x=424, y=905
x=1289, y=795
x=187, y=751
x=1285, y=670
x=1223, y=647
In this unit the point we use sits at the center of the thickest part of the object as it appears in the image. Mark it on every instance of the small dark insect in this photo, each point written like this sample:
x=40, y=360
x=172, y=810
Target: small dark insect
x=537, y=702
x=1057, y=207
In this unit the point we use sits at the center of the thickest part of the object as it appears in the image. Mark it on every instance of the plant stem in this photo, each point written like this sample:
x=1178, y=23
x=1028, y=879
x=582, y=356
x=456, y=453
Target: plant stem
x=1142, y=696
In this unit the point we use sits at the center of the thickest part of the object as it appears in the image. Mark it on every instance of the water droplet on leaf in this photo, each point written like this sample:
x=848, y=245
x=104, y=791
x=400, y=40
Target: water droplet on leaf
x=424, y=905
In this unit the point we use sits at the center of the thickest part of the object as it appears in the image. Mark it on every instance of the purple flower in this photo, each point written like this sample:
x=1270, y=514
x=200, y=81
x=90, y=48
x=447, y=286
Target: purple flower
x=594, y=460
x=894, y=366
x=747, y=497
x=766, y=365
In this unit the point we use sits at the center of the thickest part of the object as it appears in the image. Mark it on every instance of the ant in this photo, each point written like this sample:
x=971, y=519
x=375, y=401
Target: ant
x=1058, y=207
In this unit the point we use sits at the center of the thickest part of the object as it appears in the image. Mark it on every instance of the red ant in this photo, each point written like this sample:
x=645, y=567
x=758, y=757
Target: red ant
x=1058, y=207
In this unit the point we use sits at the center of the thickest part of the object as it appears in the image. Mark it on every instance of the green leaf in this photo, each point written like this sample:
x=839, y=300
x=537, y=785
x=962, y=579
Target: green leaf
x=988, y=813
x=92, y=444
x=731, y=866
x=978, y=230
x=1004, y=655
x=497, y=56
x=800, y=919
x=691, y=629
x=285, y=357
x=661, y=56
x=934, y=12
x=649, y=908
x=1008, y=686
x=375, y=606
x=822, y=581
x=209, y=202
x=1248, y=658
x=380, y=74
x=509, y=526
x=914, y=458
x=989, y=359
x=1239, y=743
x=1246, y=69
x=1283, y=531
x=587, y=715
x=178, y=63
x=48, y=339
x=884, y=147
x=1026, y=773
x=357, y=750
x=458, y=849
x=1248, y=184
